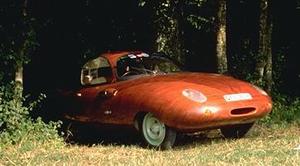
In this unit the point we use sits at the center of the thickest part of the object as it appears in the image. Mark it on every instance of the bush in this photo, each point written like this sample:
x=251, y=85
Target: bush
x=16, y=125
x=285, y=110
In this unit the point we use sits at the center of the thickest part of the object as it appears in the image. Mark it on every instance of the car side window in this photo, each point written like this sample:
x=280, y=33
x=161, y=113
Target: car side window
x=96, y=71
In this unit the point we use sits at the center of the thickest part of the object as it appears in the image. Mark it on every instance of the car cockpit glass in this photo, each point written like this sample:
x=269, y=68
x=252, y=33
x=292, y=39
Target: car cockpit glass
x=143, y=64
x=96, y=71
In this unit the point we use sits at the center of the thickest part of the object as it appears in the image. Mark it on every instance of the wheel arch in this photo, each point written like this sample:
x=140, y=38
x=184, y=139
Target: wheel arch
x=138, y=119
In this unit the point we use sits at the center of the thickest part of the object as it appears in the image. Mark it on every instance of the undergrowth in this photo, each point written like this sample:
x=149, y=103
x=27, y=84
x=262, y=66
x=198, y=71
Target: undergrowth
x=286, y=110
x=17, y=127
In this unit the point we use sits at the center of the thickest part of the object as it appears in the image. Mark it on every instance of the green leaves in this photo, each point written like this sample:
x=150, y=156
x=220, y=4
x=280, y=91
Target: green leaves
x=198, y=22
x=285, y=110
x=18, y=37
x=142, y=3
x=198, y=3
x=15, y=121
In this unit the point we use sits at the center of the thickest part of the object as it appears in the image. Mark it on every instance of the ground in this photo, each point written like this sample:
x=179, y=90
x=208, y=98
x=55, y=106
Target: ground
x=263, y=145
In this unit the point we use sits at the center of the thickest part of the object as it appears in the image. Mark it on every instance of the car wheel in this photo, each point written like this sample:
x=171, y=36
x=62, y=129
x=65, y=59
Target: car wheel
x=156, y=134
x=236, y=131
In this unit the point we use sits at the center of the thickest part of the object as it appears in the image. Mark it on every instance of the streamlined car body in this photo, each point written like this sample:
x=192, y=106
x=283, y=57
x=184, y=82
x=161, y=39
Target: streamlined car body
x=151, y=93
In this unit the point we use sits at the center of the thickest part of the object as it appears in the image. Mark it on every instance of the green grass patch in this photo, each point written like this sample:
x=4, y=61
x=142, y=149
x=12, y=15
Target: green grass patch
x=272, y=145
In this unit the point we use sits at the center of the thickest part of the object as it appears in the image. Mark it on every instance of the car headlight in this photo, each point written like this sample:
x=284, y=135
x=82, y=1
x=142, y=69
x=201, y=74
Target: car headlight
x=260, y=90
x=194, y=95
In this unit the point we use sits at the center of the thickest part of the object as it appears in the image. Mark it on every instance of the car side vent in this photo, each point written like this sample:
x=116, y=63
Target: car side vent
x=242, y=111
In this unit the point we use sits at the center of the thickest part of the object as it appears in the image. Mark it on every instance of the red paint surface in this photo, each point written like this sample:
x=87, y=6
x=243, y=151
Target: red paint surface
x=162, y=95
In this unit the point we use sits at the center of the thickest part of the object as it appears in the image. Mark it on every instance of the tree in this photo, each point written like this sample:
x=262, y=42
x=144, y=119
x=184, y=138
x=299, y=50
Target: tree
x=264, y=59
x=169, y=19
x=166, y=22
x=221, y=37
x=18, y=40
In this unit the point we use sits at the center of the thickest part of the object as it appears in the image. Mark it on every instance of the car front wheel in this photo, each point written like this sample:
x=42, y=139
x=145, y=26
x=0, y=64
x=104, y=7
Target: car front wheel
x=236, y=131
x=156, y=134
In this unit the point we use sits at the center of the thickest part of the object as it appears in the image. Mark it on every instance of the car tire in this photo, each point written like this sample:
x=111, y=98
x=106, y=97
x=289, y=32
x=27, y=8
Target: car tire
x=236, y=131
x=155, y=133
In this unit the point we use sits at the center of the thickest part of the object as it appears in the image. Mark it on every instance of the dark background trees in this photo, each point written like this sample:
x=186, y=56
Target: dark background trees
x=63, y=34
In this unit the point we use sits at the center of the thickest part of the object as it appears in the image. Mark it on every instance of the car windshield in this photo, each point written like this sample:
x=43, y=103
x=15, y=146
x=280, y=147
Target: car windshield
x=141, y=64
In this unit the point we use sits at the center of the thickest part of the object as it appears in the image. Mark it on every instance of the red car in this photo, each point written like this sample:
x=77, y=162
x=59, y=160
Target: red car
x=152, y=94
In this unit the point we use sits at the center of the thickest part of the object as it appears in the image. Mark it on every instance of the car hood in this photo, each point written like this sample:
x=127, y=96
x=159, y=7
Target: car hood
x=210, y=84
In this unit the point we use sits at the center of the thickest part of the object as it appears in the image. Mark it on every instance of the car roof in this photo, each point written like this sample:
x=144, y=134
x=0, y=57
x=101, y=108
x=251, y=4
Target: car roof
x=114, y=56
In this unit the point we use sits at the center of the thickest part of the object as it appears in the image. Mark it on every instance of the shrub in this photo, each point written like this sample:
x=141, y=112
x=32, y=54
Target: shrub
x=285, y=110
x=16, y=125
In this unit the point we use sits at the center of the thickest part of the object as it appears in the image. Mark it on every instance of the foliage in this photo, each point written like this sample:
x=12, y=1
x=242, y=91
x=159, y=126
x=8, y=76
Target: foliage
x=197, y=14
x=16, y=123
x=188, y=9
x=285, y=110
x=18, y=37
x=165, y=22
x=279, y=66
x=168, y=20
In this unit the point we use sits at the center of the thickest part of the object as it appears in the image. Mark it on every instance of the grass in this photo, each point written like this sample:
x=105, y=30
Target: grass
x=263, y=145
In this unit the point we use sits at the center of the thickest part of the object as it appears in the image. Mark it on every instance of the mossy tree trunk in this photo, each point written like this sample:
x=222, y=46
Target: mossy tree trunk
x=264, y=59
x=221, y=37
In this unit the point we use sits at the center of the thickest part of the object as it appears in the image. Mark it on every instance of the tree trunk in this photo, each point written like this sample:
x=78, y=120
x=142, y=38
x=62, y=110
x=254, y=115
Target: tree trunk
x=269, y=66
x=19, y=63
x=221, y=37
x=19, y=80
x=264, y=59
